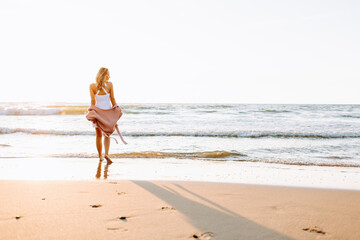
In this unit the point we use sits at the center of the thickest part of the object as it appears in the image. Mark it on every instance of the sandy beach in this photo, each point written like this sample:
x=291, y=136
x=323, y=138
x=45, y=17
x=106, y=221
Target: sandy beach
x=110, y=209
x=180, y=120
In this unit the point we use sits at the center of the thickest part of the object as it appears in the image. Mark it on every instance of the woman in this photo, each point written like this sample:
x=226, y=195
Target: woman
x=102, y=93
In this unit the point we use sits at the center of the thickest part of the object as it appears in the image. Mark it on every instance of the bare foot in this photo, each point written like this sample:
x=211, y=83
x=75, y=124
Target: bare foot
x=108, y=159
x=101, y=158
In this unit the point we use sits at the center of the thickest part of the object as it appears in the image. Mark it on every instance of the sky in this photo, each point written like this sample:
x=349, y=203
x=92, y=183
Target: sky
x=188, y=51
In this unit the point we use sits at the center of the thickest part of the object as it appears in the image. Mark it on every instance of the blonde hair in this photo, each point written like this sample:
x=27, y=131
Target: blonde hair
x=101, y=77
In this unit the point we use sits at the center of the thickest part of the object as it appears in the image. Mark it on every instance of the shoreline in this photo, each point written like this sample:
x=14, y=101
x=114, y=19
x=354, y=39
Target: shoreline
x=180, y=170
x=125, y=209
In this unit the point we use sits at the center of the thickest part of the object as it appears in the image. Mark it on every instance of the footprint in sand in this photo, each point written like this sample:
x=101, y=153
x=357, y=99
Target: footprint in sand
x=203, y=236
x=116, y=225
x=123, y=218
x=276, y=208
x=167, y=208
x=117, y=229
x=120, y=193
x=315, y=229
x=96, y=205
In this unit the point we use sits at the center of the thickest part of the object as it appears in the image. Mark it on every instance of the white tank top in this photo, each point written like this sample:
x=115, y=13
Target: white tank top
x=103, y=101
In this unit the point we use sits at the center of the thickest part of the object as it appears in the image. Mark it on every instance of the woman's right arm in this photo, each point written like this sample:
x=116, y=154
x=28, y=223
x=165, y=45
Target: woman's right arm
x=92, y=95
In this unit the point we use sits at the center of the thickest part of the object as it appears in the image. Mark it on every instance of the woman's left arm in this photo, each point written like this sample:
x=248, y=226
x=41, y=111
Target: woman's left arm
x=112, y=95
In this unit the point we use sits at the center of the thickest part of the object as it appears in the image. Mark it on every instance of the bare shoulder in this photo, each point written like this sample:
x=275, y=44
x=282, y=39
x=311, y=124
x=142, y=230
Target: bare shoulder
x=92, y=85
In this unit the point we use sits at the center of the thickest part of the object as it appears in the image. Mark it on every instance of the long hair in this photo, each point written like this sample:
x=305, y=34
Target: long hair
x=100, y=77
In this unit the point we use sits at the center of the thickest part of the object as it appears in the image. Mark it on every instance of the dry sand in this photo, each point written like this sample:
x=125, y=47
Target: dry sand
x=174, y=210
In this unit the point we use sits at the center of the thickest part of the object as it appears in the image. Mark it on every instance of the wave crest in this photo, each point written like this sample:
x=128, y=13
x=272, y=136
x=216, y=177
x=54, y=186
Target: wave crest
x=217, y=155
x=151, y=154
x=47, y=110
x=224, y=134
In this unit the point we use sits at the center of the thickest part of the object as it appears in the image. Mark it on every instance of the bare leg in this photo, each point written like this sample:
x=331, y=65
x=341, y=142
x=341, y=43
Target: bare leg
x=99, y=143
x=107, y=147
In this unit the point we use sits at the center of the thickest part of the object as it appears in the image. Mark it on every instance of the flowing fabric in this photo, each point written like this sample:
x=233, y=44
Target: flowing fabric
x=106, y=120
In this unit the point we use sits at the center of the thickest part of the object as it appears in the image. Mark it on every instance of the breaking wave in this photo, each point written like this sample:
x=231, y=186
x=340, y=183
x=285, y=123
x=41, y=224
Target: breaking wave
x=221, y=134
x=219, y=155
x=150, y=154
x=48, y=110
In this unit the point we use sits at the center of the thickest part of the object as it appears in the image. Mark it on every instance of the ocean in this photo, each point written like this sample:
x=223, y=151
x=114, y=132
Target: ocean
x=322, y=136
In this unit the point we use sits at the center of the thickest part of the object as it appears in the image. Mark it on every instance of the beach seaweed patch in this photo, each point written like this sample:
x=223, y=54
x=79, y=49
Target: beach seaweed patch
x=315, y=229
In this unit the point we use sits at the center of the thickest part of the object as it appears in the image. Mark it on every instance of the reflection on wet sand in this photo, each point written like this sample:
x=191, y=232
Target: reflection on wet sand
x=106, y=169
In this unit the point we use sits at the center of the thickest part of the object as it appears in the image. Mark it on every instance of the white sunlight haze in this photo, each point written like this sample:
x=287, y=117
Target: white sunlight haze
x=182, y=51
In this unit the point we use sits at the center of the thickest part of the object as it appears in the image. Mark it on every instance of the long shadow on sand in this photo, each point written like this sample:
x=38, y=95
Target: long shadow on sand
x=224, y=223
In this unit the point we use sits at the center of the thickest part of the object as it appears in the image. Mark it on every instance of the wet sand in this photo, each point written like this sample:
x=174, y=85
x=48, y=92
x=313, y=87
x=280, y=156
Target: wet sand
x=47, y=168
x=109, y=209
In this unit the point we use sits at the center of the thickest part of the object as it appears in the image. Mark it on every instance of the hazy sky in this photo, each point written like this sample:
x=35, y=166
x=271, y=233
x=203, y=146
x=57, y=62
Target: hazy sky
x=182, y=51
